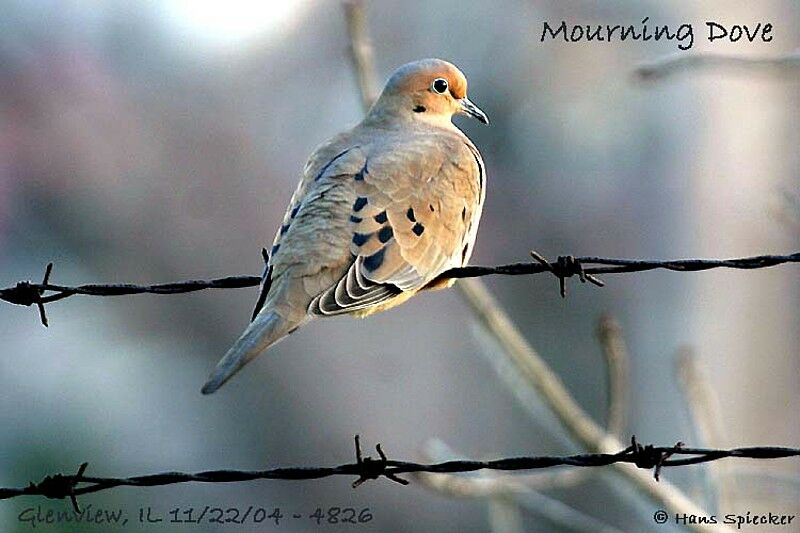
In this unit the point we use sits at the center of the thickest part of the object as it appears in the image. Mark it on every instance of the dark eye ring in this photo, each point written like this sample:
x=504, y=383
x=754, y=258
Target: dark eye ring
x=439, y=85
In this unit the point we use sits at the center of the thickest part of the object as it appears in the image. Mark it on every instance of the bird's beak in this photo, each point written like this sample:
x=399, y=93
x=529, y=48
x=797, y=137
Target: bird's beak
x=468, y=108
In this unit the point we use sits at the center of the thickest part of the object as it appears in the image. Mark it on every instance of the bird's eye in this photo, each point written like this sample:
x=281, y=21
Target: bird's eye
x=439, y=85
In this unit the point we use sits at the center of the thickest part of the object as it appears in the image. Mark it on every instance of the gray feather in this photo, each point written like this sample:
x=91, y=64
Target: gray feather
x=264, y=331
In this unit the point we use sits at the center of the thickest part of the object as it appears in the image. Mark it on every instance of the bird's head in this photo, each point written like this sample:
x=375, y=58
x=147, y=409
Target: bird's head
x=430, y=90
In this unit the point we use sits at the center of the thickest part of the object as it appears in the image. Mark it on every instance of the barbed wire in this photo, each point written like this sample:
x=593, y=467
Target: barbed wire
x=587, y=268
x=62, y=486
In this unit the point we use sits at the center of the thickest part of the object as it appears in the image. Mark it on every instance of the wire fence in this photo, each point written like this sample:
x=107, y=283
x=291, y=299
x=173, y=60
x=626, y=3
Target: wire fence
x=62, y=486
x=586, y=269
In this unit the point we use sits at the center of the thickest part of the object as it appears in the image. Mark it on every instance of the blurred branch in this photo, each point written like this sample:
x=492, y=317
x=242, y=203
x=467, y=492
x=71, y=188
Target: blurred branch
x=707, y=419
x=361, y=51
x=28, y=293
x=616, y=353
x=504, y=516
x=508, y=488
x=609, y=334
x=61, y=486
x=563, y=405
x=703, y=402
x=767, y=486
x=674, y=63
x=787, y=211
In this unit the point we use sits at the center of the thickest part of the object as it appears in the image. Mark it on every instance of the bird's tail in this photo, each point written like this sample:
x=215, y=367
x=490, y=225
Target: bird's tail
x=265, y=330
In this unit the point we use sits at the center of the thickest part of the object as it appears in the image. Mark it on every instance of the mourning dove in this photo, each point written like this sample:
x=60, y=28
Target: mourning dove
x=380, y=212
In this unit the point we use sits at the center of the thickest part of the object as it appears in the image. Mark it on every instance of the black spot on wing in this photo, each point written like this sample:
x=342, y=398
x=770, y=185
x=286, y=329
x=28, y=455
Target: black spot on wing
x=360, y=239
x=275, y=249
x=410, y=214
x=295, y=210
x=359, y=204
x=385, y=234
x=328, y=164
x=418, y=229
x=361, y=173
x=355, y=220
x=380, y=218
x=374, y=262
x=419, y=109
x=430, y=206
x=284, y=228
x=464, y=253
x=464, y=213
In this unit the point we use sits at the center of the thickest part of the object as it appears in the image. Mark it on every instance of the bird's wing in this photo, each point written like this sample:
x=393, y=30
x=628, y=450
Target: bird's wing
x=416, y=207
x=334, y=158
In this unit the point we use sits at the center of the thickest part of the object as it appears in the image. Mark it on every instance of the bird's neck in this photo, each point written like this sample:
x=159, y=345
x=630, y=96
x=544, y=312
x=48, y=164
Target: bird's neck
x=390, y=118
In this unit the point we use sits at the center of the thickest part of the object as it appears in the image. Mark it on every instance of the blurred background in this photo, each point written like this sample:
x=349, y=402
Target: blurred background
x=160, y=140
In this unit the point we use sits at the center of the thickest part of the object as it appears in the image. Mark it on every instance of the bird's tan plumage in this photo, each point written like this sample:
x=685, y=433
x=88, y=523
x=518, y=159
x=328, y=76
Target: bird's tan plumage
x=380, y=212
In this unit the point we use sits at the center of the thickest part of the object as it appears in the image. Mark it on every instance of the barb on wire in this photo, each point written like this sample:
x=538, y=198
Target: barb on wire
x=28, y=293
x=373, y=469
x=648, y=457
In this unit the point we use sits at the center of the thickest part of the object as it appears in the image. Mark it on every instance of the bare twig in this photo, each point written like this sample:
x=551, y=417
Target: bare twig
x=609, y=333
x=707, y=419
x=27, y=293
x=649, y=457
x=508, y=488
x=787, y=210
x=551, y=389
x=361, y=51
x=766, y=486
x=504, y=516
x=616, y=353
x=672, y=64
x=703, y=401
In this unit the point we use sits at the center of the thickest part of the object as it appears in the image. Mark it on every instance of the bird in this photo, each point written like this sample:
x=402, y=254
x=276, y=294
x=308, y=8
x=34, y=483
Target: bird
x=380, y=212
